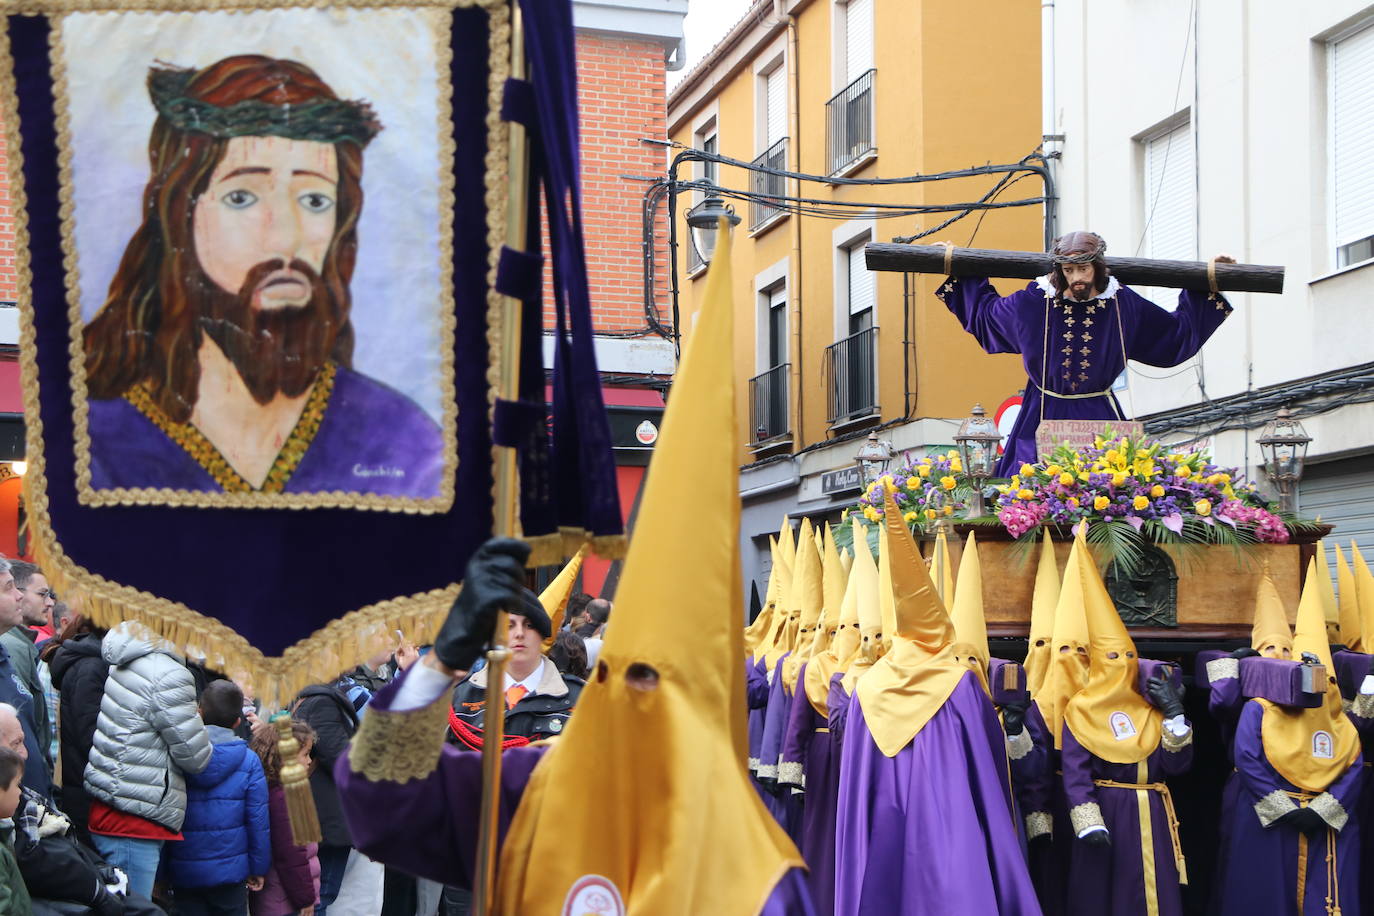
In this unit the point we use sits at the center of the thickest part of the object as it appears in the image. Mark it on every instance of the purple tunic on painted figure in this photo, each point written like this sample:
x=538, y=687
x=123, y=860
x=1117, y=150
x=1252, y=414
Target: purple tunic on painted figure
x=931, y=830
x=1072, y=349
x=1264, y=856
x=370, y=439
x=428, y=826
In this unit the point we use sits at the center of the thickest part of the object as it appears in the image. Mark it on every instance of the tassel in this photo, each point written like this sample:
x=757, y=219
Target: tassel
x=300, y=802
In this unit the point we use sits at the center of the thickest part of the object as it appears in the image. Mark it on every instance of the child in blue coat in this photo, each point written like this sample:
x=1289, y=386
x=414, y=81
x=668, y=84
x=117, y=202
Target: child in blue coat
x=227, y=845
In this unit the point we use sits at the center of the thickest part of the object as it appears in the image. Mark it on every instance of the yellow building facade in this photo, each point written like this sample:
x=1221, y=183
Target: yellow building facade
x=825, y=350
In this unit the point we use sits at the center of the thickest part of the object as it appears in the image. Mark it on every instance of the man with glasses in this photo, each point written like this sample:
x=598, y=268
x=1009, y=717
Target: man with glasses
x=20, y=641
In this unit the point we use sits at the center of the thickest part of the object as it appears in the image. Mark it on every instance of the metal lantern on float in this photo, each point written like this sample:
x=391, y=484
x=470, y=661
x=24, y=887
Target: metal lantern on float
x=1284, y=445
x=873, y=458
x=977, y=440
x=704, y=221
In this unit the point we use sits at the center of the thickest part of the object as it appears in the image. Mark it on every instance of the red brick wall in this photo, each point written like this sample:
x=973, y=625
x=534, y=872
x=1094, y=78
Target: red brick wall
x=622, y=98
x=9, y=287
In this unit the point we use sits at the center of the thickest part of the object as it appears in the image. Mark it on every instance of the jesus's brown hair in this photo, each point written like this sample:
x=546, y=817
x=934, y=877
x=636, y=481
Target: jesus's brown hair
x=148, y=328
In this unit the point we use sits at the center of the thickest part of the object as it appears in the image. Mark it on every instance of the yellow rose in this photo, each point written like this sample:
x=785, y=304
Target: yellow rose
x=870, y=513
x=948, y=510
x=1015, y=481
x=1053, y=470
x=1101, y=503
x=1183, y=470
x=1156, y=491
x=952, y=453
x=1141, y=502
x=1066, y=479
x=949, y=483
x=923, y=470
x=1111, y=456
x=1072, y=501
x=1027, y=470
x=909, y=517
x=1098, y=442
x=1024, y=494
x=956, y=466
x=1118, y=478
x=930, y=514
x=913, y=483
x=1203, y=507
x=1224, y=477
x=1228, y=491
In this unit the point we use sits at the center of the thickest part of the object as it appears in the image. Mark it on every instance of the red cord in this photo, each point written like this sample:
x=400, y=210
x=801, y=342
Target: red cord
x=473, y=738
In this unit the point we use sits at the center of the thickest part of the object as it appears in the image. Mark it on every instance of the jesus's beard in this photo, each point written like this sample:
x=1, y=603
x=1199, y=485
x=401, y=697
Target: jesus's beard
x=279, y=350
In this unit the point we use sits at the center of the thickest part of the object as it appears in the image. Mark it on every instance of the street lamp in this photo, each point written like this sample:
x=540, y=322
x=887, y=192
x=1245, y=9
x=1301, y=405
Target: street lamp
x=704, y=220
x=977, y=440
x=1284, y=445
x=873, y=458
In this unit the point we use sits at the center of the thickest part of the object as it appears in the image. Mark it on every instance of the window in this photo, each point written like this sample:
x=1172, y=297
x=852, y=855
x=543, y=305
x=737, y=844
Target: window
x=771, y=130
x=849, y=115
x=1170, y=206
x=858, y=39
x=1352, y=146
x=777, y=327
x=860, y=290
x=852, y=360
x=768, y=398
x=774, y=105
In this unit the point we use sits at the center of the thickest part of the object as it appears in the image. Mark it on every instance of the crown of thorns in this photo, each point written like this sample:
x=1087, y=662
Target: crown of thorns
x=321, y=120
x=1064, y=248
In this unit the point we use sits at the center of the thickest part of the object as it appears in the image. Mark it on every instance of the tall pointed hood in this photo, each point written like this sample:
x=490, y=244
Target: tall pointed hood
x=824, y=660
x=942, y=568
x=908, y=685
x=866, y=589
x=1042, y=615
x=683, y=832
x=970, y=627
x=887, y=604
x=1330, y=609
x=1348, y=604
x=1109, y=717
x=1067, y=672
x=555, y=596
x=755, y=633
x=778, y=641
x=1364, y=596
x=1269, y=634
x=1310, y=748
x=808, y=597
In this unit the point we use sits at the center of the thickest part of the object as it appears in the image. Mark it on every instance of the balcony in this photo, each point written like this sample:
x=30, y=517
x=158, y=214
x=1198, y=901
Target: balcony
x=768, y=404
x=852, y=365
x=763, y=184
x=849, y=124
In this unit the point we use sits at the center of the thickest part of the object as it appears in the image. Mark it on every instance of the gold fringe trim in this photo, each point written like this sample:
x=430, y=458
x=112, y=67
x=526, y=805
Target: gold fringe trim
x=400, y=746
x=558, y=547
x=343, y=642
x=1174, y=743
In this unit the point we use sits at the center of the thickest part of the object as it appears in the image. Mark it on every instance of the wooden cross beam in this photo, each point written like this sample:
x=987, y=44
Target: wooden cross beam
x=1027, y=265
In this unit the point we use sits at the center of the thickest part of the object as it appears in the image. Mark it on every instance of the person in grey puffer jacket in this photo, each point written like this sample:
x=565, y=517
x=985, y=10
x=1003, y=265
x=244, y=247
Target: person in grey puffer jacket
x=148, y=734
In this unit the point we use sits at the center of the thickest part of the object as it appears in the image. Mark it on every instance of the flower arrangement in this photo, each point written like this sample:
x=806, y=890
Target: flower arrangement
x=928, y=489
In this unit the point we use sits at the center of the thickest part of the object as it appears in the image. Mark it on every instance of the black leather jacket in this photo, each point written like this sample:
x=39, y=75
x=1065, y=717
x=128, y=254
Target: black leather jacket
x=541, y=714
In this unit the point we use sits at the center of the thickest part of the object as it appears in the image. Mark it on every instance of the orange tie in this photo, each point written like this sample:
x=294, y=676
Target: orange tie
x=515, y=695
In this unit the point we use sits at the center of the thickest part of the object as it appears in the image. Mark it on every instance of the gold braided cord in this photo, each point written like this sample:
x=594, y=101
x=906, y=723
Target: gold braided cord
x=339, y=644
x=439, y=22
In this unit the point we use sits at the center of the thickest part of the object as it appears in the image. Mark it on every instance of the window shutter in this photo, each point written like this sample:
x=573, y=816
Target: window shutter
x=860, y=281
x=1170, y=196
x=858, y=39
x=776, y=93
x=1352, y=134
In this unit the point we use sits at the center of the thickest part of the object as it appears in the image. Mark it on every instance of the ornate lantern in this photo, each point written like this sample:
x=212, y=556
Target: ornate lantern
x=1284, y=444
x=873, y=458
x=977, y=440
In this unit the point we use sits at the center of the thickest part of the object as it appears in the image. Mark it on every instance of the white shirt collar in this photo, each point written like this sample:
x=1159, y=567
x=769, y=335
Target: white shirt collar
x=530, y=683
x=1046, y=287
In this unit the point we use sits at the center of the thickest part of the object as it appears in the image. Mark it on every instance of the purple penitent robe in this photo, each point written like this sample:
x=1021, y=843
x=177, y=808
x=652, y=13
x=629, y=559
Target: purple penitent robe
x=371, y=439
x=1263, y=863
x=809, y=762
x=1111, y=879
x=1040, y=797
x=1083, y=349
x=931, y=830
x=756, y=698
x=428, y=827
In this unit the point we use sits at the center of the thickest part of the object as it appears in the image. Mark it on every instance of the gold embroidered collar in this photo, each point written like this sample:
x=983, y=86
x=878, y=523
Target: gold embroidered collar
x=202, y=452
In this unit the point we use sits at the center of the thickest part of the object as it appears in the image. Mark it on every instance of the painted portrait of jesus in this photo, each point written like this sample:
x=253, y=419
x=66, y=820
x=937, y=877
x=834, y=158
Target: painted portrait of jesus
x=221, y=359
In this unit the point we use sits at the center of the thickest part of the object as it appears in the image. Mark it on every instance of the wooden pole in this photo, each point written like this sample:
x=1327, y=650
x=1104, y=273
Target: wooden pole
x=505, y=521
x=1027, y=265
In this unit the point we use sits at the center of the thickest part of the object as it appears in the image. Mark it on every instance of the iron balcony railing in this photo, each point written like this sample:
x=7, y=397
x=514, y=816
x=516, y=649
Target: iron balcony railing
x=852, y=364
x=768, y=403
x=849, y=123
x=767, y=185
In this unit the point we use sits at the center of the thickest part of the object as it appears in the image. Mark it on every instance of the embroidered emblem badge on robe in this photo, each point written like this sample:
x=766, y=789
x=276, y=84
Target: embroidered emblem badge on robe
x=1323, y=747
x=1122, y=726
x=556, y=725
x=593, y=895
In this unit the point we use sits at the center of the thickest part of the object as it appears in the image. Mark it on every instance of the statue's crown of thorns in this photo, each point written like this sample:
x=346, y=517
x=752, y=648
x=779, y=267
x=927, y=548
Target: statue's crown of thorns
x=1078, y=248
x=321, y=120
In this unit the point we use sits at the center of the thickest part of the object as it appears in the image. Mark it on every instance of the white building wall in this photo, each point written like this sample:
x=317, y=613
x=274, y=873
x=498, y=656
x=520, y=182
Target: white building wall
x=1253, y=79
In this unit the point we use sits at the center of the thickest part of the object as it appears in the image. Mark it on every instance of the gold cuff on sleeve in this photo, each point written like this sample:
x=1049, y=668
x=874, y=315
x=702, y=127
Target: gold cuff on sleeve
x=400, y=746
x=1174, y=743
x=1086, y=815
x=1330, y=810
x=1038, y=823
x=1362, y=707
x=1019, y=745
x=1274, y=806
x=790, y=774
x=1219, y=669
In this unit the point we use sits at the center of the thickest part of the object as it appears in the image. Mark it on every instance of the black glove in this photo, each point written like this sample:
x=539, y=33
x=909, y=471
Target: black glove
x=1043, y=839
x=494, y=582
x=1014, y=718
x=1245, y=652
x=107, y=904
x=1304, y=819
x=1166, y=697
x=1101, y=838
